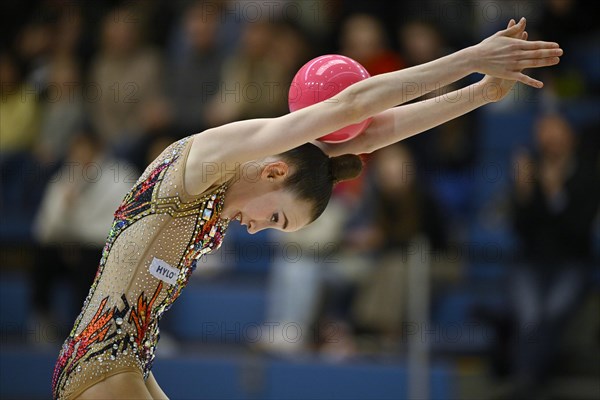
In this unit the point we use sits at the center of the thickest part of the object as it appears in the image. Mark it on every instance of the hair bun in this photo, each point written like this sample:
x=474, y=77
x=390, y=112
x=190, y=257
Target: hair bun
x=345, y=167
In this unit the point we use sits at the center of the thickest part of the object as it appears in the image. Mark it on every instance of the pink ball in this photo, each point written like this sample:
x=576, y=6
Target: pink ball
x=321, y=78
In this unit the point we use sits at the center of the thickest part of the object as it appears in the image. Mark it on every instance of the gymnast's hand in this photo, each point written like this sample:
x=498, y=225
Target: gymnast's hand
x=504, y=55
x=498, y=88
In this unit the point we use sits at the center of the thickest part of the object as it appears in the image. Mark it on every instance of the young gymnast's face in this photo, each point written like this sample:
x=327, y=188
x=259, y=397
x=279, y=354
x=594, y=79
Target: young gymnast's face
x=265, y=203
x=276, y=209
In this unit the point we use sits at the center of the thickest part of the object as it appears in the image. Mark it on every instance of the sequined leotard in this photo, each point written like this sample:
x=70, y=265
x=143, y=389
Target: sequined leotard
x=158, y=233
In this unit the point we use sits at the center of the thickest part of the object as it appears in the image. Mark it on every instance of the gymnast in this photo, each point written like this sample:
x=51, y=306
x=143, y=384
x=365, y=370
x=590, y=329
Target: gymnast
x=264, y=173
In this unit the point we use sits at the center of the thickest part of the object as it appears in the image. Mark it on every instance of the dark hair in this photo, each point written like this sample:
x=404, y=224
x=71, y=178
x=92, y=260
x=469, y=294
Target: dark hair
x=316, y=174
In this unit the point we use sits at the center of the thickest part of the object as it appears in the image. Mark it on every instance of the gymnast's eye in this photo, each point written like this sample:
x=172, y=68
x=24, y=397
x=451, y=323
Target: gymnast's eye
x=275, y=218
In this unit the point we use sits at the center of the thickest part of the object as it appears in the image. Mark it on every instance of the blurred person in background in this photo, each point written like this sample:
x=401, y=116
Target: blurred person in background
x=19, y=129
x=54, y=32
x=394, y=211
x=446, y=156
x=253, y=83
x=194, y=68
x=47, y=46
x=19, y=125
x=74, y=215
x=291, y=48
x=62, y=111
x=35, y=44
x=60, y=85
x=125, y=83
x=420, y=41
x=69, y=32
x=363, y=38
x=324, y=304
x=556, y=198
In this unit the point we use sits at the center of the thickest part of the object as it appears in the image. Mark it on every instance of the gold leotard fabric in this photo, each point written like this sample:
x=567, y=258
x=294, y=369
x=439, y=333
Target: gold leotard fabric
x=158, y=233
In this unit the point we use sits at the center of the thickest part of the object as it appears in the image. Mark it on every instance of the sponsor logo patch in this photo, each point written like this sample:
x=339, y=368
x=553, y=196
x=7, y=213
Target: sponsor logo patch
x=163, y=271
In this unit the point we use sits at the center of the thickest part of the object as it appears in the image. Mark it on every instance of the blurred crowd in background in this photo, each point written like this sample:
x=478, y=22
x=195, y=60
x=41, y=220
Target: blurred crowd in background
x=92, y=92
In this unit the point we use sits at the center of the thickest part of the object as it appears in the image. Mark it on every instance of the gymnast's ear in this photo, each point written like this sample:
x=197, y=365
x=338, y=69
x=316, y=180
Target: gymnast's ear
x=275, y=171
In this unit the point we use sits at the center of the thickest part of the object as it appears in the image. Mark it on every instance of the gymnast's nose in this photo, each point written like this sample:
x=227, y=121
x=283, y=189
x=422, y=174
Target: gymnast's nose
x=254, y=226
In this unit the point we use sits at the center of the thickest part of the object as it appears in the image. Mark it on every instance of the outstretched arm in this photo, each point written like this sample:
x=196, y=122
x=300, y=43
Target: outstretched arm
x=399, y=123
x=238, y=142
x=254, y=139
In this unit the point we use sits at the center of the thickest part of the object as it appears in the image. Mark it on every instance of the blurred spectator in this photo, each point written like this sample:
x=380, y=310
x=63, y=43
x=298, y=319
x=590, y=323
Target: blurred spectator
x=69, y=31
x=20, y=111
x=19, y=129
x=74, y=219
x=82, y=196
x=363, y=39
x=420, y=42
x=556, y=198
x=358, y=287
x=194, y=70
x=125, y=83
x=49, y=45
x=291, y=49
x=445, y=154
x=254, y=83
x=19, y=124
x=62, y=110
x=35, y=44
x=396, y=209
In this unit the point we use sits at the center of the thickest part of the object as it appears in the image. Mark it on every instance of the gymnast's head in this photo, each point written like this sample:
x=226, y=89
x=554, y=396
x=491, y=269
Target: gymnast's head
x=287, y=191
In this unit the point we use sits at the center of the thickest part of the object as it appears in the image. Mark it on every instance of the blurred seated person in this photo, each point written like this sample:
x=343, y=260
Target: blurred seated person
x=399, y=206
x=396, y=209
x=556, y=197
x=128, y=76
x=73, y=218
